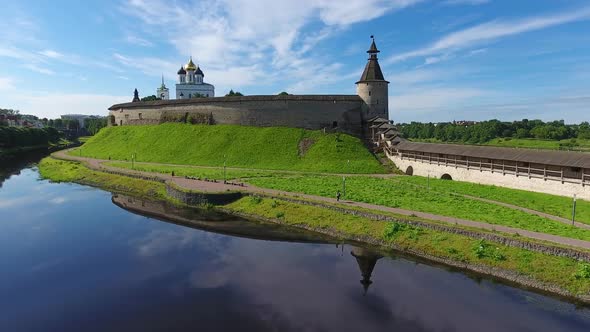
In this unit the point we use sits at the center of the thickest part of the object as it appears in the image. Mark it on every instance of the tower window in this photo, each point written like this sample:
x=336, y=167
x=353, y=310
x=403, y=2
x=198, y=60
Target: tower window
x=335, y=124
x=369, y=93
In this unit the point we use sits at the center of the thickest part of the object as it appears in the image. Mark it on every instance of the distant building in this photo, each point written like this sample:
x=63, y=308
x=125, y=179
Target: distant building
x=163, y=92
x=190, y=83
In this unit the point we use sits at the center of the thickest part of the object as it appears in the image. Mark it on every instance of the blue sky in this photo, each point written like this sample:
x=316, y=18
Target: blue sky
x=446, y=60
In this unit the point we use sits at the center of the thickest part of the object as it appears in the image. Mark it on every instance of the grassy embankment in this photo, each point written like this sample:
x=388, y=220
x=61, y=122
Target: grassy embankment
x=529, y=143
x=555, y=205
x=67, y=171
x=399, y=194
x=411, y=193
x=563, y=272
x=278, y=148
x=560, y=206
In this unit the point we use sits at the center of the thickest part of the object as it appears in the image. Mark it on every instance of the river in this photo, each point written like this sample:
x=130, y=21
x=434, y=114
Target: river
x=77, y=258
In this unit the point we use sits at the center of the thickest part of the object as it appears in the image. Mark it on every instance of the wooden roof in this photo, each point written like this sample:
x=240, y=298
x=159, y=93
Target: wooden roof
x=548, y=157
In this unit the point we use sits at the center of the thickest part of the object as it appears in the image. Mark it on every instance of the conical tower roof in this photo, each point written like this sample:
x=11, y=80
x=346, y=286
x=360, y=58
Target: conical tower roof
x=372, y=70
x=366, y=261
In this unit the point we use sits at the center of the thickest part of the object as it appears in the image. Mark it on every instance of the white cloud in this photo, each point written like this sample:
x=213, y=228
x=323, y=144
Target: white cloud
x=478, y=51
x=135, y=40
x=490, y=31
x=264, y=39
x=466, y=2
x=148, y=65
x=51, y=54
x=6, y=83
x=426, y=104
x=39, y=69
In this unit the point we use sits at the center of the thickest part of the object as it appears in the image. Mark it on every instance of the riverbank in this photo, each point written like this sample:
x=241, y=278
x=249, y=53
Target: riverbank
x=13, y=153
x=564, y=276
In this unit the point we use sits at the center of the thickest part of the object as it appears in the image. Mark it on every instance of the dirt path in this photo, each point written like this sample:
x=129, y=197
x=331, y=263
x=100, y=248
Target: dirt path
x=378, y=175
x=209, y=186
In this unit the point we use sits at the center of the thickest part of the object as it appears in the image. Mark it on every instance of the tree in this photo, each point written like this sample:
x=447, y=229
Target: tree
x=284, y=93
x=231, y=93
x=94, y=124
x=150, y=98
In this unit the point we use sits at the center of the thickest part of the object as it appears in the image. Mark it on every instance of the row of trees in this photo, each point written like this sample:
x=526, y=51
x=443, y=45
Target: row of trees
x=485, y=131
x=11, y=137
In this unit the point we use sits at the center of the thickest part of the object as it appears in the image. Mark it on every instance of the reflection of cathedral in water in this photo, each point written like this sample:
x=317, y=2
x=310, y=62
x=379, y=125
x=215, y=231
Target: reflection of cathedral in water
x=366, y=260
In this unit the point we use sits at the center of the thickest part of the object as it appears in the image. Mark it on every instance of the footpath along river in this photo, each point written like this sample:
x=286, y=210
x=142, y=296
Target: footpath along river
x=77, y=258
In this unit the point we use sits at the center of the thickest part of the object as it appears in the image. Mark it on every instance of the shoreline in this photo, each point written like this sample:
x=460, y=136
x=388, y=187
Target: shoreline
x=507, y=275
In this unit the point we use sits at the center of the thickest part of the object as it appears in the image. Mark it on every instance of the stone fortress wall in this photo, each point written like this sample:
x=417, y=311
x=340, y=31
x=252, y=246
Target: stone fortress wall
x=435, y=170
x=342, y=112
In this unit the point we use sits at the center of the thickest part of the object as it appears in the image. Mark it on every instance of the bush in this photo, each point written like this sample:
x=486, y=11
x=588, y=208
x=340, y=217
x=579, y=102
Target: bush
x=256, y=199
x=482, y=249
x=393, y=230
x=583, y=271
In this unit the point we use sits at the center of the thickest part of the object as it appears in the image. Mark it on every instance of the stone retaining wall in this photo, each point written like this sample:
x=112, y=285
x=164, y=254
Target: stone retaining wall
x=198, y=198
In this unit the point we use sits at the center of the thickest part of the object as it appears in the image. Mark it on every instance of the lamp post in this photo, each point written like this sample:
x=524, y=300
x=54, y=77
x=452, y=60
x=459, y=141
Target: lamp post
x=574, y=210
x=224, y=168
x=344, y=178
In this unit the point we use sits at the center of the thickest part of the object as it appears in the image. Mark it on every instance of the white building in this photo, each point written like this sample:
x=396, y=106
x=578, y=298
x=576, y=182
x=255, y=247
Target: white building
x=190, y=83
x=163, y=92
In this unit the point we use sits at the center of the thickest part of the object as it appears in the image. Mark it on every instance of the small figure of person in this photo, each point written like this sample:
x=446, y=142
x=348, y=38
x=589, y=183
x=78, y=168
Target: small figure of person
x=172, y=173
x=338, y=196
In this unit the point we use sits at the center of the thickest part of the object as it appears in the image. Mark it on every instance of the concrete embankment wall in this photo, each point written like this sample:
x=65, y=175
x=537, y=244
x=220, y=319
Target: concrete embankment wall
x=198, y=198
x=496, y=178
x=309, y=112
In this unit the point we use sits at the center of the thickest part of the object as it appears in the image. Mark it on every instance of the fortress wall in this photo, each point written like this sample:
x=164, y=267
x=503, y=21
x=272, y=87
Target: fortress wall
x=496, y=178
x=310, y=112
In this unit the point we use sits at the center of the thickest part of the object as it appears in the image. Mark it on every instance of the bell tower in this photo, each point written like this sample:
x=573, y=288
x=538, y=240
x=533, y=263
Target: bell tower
x=373, y=88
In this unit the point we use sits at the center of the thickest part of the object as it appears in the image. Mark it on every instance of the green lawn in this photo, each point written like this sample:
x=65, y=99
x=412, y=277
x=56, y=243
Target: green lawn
x=67, y=171
x=278, y=148
x=530, y=143
x=200, y=172
x=565, y=144
x=555, y=205
x=393, y=193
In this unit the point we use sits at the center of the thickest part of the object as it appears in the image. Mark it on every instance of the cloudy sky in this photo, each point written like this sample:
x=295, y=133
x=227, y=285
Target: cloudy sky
x=446, y=59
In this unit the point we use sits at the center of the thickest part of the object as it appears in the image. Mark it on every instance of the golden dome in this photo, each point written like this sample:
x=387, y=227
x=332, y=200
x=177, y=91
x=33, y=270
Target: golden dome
x=190, y=65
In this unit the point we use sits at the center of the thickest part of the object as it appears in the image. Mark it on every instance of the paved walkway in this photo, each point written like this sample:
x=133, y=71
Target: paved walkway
x=207, y=186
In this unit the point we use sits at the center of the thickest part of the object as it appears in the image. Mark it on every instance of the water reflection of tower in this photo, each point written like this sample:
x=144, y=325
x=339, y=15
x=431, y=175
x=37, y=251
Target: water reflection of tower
x=366, y=260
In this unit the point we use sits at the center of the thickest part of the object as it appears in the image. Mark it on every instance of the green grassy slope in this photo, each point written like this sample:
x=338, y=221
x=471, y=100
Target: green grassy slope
x=249, y=147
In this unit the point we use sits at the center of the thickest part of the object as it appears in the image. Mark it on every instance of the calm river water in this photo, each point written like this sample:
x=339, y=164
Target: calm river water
x=72, y=260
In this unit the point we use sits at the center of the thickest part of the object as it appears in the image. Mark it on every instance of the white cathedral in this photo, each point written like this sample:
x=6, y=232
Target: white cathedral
x=190, y=84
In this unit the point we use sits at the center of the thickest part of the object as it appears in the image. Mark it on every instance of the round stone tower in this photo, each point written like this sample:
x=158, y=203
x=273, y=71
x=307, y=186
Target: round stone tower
x=373, y=88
